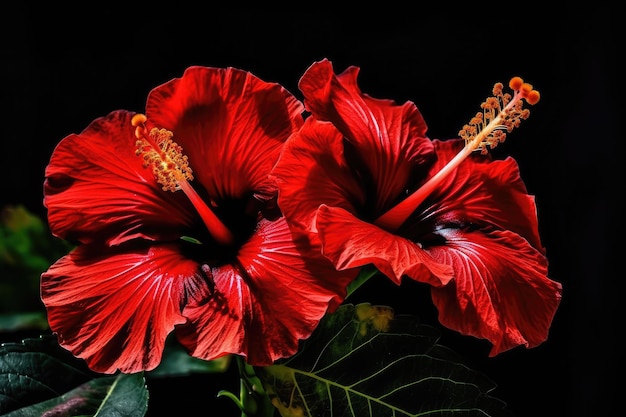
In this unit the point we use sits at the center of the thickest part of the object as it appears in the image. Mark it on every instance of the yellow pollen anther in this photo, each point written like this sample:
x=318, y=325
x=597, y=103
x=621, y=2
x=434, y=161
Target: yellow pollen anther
x=500, y=114
x=160, y=152
x=171, y=169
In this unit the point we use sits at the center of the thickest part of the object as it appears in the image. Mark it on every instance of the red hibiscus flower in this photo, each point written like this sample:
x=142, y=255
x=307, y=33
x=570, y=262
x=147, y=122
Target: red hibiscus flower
x=176, y=229
x=470, y=230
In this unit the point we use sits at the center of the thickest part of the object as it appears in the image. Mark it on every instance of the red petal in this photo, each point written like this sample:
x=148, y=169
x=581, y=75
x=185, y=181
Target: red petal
x=311, y=170
x=115, y=309
x=96, y=188
x=500, y=292
x=390, y=139
x=262, y=310
x=350, y=242
x=217, y=326
x=480, y=191
x=230, y=123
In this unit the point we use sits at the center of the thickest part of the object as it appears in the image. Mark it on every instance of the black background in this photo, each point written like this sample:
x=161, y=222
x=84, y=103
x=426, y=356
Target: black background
x=63, y=67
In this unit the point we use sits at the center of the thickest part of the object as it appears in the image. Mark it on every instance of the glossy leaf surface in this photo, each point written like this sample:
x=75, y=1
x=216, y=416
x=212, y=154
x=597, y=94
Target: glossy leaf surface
x=364, y=360
x=38, y=377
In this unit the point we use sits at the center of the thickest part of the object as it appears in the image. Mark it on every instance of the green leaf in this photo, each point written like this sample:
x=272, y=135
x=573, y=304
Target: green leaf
x=36, y=370
x=23, y=321
x=177, y=362
x=38, y=376
x=114, y=396
x=366, y=272
x=27, y=248
x=364, y=360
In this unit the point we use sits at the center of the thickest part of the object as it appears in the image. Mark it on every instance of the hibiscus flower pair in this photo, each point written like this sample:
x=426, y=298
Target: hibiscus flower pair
x=228, y=218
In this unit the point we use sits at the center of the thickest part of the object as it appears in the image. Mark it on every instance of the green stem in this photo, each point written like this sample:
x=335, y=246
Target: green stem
x=253, y=401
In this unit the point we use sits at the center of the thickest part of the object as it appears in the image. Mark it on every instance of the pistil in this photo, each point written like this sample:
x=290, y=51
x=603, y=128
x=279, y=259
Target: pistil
x=500, y=114
x=171, y=169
